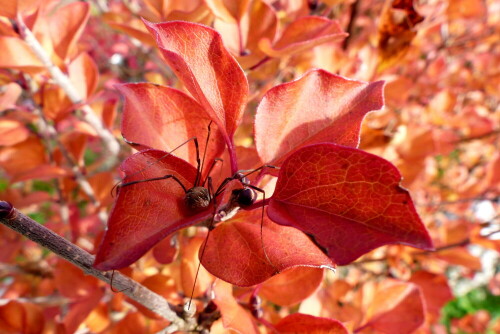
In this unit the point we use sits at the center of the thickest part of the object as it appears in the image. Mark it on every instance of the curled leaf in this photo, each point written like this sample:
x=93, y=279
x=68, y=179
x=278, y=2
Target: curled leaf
x=319, y=107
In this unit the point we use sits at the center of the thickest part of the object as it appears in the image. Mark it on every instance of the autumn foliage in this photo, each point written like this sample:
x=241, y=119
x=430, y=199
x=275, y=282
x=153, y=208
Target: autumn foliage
x=333, y=165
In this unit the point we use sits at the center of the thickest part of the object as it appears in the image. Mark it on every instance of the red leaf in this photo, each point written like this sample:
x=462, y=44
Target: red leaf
x=146, y=212
x=348, y=200
x=319, y=107
x=298, y=323
x=72, y=283
x=234, y=250
x=161, y=117
x=397, y=308
x=166, y=250
x=435, y=290
x=303, y=34
x=291, y=286
x=80, y=310
x=212, y=76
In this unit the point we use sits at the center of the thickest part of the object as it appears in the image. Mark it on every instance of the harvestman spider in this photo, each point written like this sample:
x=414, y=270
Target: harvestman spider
x=201, y=195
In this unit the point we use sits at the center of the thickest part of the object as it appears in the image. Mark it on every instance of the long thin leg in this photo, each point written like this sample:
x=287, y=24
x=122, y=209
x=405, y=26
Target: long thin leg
x=216, y=160
x=200, y=169
x=169, y=176
x=262, y=224
x=210, y=228
x=257, y=169
x=150, y=163
x=111, y=284
x=240, y=177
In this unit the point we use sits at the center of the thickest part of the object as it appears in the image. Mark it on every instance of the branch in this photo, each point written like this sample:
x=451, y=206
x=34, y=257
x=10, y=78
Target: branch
x=50, y=134
x=24, y=225
x=65, y=83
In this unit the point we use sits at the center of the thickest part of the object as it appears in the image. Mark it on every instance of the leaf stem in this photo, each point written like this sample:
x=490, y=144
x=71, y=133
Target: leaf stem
x=350, y=26
x=258, y=204
x=12, y=218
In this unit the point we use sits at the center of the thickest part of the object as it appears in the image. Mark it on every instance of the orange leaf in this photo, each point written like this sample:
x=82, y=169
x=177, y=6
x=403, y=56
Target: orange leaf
x=161, y=284
x=303, y=34
x=43, y=172
x=292, y=286
x=84, y=74
x=396, y=30
x=16, y=54
x=10, y=8
x=234, y=316
x=102, y=184
x=127, y=23
x=397, y=308
x=16, y=317
x=460, y=256
x=22, y=157
x=189, y=265
x=11, y=243
x=66, y=25
x=9, y=95
x=262, y=23
x=98, y=320
x=56, y=104
x=228, y=10
x=12, y=132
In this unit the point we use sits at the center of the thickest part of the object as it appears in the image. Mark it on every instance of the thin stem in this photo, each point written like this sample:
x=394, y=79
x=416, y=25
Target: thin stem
x=260, y=63
x=258, y=205
x=24, y=225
